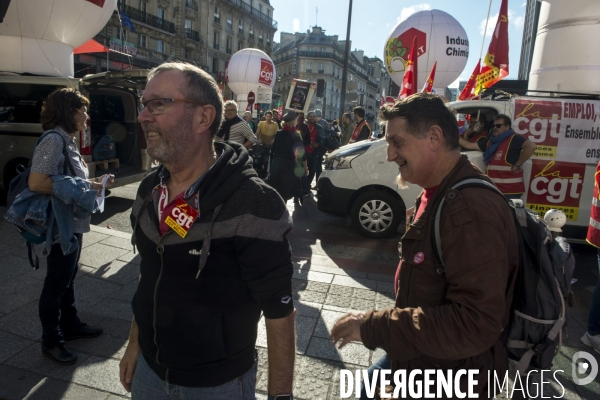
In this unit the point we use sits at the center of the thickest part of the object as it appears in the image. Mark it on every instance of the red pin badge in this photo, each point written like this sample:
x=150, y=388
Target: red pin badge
x=419, y=258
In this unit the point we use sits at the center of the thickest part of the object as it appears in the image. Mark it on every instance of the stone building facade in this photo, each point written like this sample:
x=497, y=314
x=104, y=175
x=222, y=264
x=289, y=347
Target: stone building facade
x=314, y=55
x=203, y=32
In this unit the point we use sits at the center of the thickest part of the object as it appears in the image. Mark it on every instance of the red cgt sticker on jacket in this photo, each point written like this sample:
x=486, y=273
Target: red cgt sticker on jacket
x=181, y=218
x=419, y=258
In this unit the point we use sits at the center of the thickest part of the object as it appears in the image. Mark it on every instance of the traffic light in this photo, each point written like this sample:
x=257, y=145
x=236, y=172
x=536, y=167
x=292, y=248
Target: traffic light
x=256, y=106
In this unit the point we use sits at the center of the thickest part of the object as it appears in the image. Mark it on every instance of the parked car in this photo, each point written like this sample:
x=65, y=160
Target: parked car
x=359, y=181
x=114, y=142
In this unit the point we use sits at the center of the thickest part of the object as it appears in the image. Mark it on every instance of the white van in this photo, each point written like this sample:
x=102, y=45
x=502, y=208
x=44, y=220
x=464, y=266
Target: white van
x=113, y=111
x=359, y=181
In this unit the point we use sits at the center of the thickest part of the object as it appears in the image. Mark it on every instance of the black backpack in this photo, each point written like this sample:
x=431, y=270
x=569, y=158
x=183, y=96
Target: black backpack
x=331, y=140
x=534, y=333
x=20, y=183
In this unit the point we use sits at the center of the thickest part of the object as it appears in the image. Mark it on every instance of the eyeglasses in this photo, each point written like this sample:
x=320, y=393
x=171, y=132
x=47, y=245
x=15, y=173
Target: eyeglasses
x=157, y=106
x=499, y=125
x=230, y=110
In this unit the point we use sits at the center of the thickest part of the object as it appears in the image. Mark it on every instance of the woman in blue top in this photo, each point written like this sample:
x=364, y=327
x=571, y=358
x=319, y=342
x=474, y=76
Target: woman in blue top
x=64, y=112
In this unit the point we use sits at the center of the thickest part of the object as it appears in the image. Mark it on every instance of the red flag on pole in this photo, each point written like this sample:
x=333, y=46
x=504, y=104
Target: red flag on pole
x=496, y=60
x=429, y=83
x=467, y=92
x=409, y=83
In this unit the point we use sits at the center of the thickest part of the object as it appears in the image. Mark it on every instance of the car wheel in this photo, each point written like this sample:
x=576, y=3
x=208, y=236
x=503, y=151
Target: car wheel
x=376, y=214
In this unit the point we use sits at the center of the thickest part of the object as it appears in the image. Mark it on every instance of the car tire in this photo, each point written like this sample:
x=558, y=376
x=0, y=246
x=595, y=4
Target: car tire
x=376, y=214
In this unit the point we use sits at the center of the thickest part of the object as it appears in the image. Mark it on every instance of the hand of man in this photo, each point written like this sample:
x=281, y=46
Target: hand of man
x=515, y=168
x=347, y=328
x=128, y=364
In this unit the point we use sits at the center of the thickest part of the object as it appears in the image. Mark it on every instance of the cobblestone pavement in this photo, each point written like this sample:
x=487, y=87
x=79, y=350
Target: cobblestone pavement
x=335, y=270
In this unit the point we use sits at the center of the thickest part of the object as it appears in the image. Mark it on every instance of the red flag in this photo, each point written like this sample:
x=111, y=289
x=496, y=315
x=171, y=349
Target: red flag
x=496, y=60
x=467, y=92
x=280, y=112
x=429, y=83
x=99, y=3
x=409, y=83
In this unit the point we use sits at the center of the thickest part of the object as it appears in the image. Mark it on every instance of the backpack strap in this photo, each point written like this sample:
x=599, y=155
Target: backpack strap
x=469, y=181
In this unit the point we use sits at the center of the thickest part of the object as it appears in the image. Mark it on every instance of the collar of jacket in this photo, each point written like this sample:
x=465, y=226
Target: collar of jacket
x=458, y=171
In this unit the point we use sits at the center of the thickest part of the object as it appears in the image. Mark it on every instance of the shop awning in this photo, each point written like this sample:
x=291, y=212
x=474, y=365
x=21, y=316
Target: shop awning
x=91, y=46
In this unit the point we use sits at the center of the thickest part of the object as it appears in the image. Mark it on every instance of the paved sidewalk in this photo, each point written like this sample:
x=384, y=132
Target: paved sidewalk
x=335, y=270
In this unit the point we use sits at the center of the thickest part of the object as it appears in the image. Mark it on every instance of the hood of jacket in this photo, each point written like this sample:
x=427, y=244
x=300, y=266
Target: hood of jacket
x=233, y=167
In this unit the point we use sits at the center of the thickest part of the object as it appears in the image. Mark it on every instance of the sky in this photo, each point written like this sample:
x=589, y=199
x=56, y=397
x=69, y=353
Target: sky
x=374, y=20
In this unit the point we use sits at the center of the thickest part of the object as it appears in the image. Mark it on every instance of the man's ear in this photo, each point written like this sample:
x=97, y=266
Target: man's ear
x=436, y=137
x=204, y=117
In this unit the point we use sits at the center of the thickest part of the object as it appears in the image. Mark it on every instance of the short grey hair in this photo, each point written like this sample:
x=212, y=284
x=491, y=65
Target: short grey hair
x=201, y=88
x=318, y=113
x=231, y=103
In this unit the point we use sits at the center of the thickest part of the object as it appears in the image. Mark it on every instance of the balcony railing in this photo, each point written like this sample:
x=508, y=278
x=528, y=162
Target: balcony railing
x=254, y=12
x=191, y=4
x=149, y=19
x=217, y=19
x=192, y=34
x=251, y=36
x=228, y=51
x=216, y=46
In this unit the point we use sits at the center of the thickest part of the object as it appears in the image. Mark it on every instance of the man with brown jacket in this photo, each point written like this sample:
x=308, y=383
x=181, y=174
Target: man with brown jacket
x=445, y=318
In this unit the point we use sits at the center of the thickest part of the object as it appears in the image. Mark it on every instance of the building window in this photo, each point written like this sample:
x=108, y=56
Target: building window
x=260, y=38
x=215, y=66
x=229, y=23
x=269, y=43
x=241, y=27
x=308, y=66
x=217, y=16
x=251, y=33
x=160, y=46
x=321, y=68
x=185, y=53
x=121, y=34
x=161, y=13
x=260, y=8
x=322, y=49
x=142, y=40
x=142, y=5
x=228, y=46
x=309, y=48
x=188, y=25
x=216, y=40
x=240, y=46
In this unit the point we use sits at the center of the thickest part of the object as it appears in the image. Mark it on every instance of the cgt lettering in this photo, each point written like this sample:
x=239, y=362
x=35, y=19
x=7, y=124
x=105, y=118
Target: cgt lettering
x=538, y=128
x=555, y=188
x=182, y=218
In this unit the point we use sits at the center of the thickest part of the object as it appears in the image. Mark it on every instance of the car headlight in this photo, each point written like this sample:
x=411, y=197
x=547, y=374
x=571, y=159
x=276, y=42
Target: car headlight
x=343, y=159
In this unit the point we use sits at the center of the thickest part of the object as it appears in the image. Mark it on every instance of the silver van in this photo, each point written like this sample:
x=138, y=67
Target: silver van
x=113, y=111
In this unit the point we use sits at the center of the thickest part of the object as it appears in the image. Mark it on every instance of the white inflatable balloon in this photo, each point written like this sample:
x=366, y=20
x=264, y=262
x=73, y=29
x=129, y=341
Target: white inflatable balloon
x=247, y=70
x=439, y=38
x=38, y=36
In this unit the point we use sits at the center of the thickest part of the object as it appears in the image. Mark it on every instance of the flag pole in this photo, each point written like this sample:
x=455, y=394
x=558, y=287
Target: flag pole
x=485, y=30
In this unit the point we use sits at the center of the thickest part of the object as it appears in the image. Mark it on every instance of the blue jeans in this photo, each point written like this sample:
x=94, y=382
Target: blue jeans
x=57, y=307
x=594, y=318
x=383, y=363
x=147, y=385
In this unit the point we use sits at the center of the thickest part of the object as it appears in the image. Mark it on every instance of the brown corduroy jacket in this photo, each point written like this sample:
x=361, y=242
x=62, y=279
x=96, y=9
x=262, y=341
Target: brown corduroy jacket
x=452, y=320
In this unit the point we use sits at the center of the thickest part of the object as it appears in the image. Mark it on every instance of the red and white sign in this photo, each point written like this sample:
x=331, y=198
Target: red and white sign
x=564, y=130
x=251, y=98
x=556, y=185
x=266, y=72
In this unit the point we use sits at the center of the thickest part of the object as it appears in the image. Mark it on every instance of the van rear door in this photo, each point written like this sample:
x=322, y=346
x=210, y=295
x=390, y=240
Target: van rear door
x=114, y=107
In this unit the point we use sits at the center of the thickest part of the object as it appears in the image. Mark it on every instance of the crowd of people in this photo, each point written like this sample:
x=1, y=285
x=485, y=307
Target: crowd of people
x=206, y=279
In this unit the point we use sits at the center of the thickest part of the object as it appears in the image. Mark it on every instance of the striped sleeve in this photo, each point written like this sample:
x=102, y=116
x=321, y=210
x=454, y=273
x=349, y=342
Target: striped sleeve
x=242, y=129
